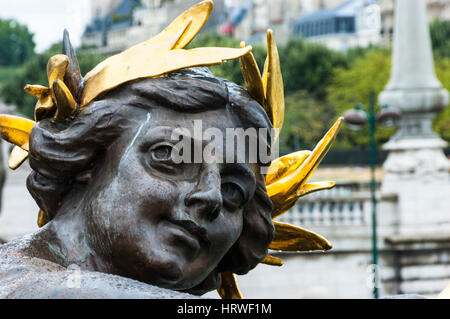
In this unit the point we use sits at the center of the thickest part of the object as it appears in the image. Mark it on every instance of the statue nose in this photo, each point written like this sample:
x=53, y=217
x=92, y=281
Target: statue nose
x=206, y=198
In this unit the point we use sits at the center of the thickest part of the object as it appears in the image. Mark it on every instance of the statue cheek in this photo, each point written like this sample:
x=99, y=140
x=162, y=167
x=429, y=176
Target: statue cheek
x=158, y=197
x=228, y=229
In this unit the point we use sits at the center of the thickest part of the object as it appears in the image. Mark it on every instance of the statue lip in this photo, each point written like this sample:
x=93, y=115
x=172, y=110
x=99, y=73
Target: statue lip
x=194, y=229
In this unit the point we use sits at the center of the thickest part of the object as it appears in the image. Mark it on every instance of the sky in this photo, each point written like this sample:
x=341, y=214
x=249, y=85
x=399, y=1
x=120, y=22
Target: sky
x=48, y=18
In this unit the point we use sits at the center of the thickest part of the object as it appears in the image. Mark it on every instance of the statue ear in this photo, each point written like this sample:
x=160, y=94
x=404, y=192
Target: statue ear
x=72, y=78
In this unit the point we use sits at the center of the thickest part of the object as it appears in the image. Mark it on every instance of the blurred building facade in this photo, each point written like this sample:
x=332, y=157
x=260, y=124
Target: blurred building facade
x=436, y=9
x=120, y=24
x=367, y=21
x=337, y=24
x=351, y=23
x=101, y=8
x=249, y=19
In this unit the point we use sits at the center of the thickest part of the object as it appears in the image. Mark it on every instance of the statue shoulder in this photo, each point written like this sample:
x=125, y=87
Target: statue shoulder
x=30, y=278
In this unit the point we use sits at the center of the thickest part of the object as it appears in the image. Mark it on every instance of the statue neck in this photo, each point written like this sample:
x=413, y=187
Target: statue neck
x=64, y=241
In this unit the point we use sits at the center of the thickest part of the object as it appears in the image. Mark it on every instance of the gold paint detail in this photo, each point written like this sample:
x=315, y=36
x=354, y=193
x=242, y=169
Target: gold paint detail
x=66, y=105
x=294, y=238
x=229, y=288
x=15, y=129
x=272, y=261
x=38, y=91
x=44, y=106
x=314, y=187
x=252, y=78
x=199, y=14
x=41, y=219
x=17, y=157
x=273, y=84
x=56, y=68
x=267, y=89
x=283, y=166
x=48, y=102
x=290, y=186
x=147, y=62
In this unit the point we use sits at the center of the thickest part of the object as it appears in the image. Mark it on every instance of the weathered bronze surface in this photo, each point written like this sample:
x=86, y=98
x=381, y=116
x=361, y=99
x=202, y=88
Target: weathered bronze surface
x=114, y=202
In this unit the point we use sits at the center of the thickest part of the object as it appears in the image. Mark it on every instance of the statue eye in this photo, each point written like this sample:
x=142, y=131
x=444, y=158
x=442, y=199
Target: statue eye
x=160, y=158
x=162, y=153
x=233, y=196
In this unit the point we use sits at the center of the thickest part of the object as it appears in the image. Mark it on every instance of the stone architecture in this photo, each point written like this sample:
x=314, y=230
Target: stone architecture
x=349, y=24
x=101, y=8
x=248, y=20
x=417, y=168
x=117, y=25
x=436, y=9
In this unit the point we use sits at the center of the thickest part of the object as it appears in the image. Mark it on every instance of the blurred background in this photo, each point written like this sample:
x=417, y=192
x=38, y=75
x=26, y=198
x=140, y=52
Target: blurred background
x=386, y=67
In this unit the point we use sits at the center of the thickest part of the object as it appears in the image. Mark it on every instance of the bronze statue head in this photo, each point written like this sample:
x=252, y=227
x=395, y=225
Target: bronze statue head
x=113, y=199
x=109, y=172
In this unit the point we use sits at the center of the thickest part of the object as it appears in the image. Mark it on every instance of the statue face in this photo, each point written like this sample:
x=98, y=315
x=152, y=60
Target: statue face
x=160, y=222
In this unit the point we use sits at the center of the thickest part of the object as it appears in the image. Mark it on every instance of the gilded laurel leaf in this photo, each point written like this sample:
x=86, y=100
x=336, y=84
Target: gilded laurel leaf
x=66, y=105
x=272, y=261
x=283, y=166
x=137, y=65
x=17, y=157
x=229, y=288
x=273, y=83
x=38, y=91
x=15, y=129
x=285, y=192
x=294, y=238
x=198, y=15
x=252, y=78
x=56, y=68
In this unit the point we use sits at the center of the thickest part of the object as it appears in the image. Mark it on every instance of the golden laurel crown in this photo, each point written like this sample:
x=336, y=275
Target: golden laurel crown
x=68, y=92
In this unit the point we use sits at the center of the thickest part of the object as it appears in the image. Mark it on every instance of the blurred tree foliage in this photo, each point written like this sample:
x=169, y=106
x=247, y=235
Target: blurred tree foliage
x=16, y=47
x=34, y=72
x=352, y=85
x=442, y=120
x=440, y=38
x=308, y=67
x=306, y=120
x=7, y=72
x=16, y=43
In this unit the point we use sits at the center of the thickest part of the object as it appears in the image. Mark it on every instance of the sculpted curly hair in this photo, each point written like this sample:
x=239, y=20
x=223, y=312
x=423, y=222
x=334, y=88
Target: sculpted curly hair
x=61, y=153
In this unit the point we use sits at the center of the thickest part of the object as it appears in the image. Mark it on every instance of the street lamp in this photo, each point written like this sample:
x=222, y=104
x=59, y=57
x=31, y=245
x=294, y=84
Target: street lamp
x=356, y=118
